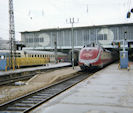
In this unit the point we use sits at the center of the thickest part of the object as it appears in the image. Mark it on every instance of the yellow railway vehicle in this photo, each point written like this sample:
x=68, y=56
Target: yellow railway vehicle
x=26, y=61
x=29, y=61
x=29, y=58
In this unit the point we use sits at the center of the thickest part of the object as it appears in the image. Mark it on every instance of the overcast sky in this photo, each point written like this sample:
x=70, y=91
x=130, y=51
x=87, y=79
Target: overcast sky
x=39, y=14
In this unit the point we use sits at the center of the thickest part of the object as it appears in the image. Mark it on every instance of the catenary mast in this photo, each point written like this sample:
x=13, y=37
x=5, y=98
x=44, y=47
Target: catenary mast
x=12, y=35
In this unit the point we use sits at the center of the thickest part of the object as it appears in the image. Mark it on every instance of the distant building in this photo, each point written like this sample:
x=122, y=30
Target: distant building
x=4, y=44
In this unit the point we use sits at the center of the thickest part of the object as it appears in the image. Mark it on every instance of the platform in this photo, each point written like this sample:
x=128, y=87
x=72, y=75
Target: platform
x=107, y=91
x=29, y=69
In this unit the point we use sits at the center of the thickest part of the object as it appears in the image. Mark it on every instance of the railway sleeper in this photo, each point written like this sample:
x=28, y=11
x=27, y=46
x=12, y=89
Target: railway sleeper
x=39, y=97
x=28, y=102
x=53, y=91
x=45, y=94
x=35, y=99
x=17, y=108
x=23, y=105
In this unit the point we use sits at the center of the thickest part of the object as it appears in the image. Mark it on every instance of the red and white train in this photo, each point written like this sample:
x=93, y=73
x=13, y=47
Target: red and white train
x=95, y=56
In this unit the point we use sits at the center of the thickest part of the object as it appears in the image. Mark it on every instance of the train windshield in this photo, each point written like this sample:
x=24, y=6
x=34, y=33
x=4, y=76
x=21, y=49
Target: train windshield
x=89, y=53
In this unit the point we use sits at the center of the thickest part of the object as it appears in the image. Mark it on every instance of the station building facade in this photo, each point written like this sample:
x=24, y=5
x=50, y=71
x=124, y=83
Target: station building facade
x=104, y=34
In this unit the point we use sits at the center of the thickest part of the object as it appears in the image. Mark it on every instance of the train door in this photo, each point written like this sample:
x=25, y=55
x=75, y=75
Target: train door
x=3, y=62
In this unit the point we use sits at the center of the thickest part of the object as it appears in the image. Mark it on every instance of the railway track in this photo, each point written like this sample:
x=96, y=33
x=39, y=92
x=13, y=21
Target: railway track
x=10, y=79
x=28, y=102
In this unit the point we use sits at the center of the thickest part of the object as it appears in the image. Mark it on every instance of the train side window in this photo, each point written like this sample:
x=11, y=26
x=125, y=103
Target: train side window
x=35, y=55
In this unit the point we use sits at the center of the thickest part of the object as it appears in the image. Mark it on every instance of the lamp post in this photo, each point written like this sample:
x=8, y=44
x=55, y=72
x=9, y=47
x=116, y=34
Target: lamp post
x=72, y=21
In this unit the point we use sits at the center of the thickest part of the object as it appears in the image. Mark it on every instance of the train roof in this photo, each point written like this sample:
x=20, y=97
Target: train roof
x=7, y=51
x=33, y=52
x=43, y=52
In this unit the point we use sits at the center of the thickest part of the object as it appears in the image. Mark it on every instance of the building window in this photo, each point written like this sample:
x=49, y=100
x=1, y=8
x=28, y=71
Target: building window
x=36, y=40
x=102, y=37
x=105, y=36
x=41, y=39
x=30, y=40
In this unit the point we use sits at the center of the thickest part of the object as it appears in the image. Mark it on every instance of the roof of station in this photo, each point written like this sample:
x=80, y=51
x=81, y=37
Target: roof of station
x=79, y=27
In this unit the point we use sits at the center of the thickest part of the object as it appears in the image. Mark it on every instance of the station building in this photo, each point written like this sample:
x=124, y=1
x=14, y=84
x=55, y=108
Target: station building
x=45, y=39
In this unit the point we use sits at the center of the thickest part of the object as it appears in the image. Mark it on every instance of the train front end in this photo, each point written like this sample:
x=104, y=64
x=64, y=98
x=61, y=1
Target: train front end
x=89, y=57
